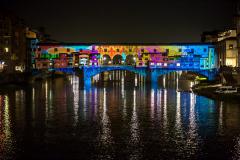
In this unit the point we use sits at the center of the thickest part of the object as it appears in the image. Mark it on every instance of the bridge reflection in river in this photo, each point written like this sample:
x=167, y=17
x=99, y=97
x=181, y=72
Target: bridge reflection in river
x=116, y=120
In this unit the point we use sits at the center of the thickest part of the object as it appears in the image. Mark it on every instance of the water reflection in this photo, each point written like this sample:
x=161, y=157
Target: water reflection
x=135, y=139
x=7, y=145
x=192, y=141
x=165, y=117
x=116, y=120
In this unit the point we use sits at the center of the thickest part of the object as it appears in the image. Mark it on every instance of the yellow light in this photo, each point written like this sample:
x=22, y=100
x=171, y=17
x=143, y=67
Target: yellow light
x=6, y=49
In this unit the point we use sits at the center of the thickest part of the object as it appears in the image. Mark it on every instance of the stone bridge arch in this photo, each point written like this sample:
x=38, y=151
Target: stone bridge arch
x=151, y=74
x=156, y=73
x=86, y=73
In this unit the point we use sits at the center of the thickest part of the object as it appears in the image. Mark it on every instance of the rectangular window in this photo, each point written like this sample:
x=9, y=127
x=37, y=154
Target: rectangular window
x=155, y=50
x=117, y=50
x=179, y=50
x=105, y=50
x=55, y=49
x=130, y=50
x=167, y=50
x=142, y=50
x=68, y=49
x=164, y=54
x=165, y=59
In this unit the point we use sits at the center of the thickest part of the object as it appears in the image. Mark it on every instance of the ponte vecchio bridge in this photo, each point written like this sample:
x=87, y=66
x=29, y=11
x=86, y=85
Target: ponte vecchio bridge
x=148, y=60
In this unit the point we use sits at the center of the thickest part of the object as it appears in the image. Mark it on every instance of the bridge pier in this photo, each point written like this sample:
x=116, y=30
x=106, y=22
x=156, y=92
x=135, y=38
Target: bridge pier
x=152, y=76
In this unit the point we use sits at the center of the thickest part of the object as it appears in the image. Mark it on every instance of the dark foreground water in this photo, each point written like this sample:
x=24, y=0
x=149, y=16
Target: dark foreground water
x=56, y=119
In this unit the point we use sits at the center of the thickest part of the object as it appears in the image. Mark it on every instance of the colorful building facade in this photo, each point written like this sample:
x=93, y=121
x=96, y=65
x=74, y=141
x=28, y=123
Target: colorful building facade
x=61, y=55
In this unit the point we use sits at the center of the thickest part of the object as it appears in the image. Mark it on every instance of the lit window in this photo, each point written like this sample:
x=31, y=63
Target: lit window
x=152, y=64
x=178, y=64
x=6, y=49
x=230, y=46
x=159, y=64
x=165, y=64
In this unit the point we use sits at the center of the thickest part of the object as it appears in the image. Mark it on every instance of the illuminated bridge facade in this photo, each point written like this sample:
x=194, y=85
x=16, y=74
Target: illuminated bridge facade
x=149, y=60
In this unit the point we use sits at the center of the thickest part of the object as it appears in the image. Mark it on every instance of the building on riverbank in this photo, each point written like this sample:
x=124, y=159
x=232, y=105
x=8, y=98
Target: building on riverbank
x=226, y=46
x=13, y=43
x=237, y=24
x=17, y=42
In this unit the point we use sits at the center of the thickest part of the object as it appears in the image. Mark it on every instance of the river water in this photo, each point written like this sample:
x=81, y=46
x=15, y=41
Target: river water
x=121, y=118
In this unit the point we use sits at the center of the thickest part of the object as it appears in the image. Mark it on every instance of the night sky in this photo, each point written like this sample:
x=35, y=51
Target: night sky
x=125, y=21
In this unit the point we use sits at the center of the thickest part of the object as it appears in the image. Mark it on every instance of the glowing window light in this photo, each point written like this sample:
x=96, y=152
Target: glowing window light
x=151, y=63
x=19, y=68
x=159, y=64
x=6, y=49
x=178, y=64
x=104, y=58
x=134, y=58
x=109, y=62
x=165, y=64
x=95, y=63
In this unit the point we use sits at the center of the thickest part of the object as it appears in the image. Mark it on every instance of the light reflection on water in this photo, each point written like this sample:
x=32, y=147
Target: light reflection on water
x=124, y=119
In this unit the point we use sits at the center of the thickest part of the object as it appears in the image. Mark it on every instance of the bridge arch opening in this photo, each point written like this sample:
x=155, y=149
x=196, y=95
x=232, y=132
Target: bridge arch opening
x=117, y=59
x=119, y=75
x=184, y=75
x=106, y=59
x=130, y=60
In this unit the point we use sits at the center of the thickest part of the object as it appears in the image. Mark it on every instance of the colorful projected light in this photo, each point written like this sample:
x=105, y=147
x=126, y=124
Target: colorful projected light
x=186, y=56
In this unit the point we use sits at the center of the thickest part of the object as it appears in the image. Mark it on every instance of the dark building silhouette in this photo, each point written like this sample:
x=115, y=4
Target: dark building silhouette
x=12, y=42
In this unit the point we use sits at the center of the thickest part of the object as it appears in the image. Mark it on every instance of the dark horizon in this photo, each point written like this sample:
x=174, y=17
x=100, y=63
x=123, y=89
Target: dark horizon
x=126, y=22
